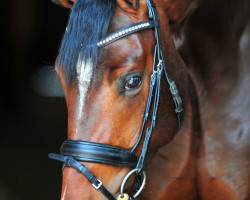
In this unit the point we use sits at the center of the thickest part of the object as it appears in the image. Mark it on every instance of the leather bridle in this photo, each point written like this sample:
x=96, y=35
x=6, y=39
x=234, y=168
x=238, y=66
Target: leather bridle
x=73, y=151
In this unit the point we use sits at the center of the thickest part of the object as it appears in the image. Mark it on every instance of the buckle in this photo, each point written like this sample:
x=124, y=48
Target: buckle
x=159, y=63
x=99, y=184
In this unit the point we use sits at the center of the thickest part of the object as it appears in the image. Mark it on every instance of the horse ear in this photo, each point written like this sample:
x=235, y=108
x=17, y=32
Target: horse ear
x=128, y=4
x=65, y=3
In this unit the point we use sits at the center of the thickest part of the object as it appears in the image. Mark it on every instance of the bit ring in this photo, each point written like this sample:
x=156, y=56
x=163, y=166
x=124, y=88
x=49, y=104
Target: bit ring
x=143, y=173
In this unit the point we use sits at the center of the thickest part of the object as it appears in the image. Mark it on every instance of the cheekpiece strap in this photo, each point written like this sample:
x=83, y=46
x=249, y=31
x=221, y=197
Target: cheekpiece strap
x=127, y=31
x=98, y=153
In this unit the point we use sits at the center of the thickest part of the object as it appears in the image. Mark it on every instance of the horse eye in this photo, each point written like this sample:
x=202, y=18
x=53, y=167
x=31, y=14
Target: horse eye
x=133, y=83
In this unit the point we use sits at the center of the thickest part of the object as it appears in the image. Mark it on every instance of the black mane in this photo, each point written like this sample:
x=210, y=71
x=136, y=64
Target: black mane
x=88, y=23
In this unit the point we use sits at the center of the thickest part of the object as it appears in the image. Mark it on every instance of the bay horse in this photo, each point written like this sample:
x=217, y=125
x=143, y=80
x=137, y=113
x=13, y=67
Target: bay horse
x=130, y=70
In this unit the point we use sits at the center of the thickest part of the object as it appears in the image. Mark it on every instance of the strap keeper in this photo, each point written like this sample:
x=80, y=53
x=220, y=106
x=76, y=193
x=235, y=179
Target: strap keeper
x=153, y=117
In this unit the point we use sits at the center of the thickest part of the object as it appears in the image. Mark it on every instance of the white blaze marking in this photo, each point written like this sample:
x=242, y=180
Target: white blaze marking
x=84, y=71
x=64, y=192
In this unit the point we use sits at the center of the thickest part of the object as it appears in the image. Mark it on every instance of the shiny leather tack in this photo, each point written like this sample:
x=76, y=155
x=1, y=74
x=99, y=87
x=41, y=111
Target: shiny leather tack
x=98, y=153
x=73, y=150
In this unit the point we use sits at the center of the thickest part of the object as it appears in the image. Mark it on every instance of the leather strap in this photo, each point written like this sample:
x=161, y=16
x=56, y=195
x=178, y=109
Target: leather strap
x=98, y=153
x=71, y=162
x=153, y=14
x=155, y=85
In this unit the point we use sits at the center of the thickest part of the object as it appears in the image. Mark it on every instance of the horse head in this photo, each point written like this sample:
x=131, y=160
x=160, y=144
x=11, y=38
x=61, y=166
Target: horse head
x=107, y=81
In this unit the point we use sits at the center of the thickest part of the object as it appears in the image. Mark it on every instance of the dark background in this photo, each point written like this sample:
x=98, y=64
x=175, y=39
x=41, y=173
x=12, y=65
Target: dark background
x=31, y=125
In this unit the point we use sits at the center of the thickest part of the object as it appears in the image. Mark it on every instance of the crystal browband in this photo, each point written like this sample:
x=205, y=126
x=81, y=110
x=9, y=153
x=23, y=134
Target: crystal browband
x=127, y=31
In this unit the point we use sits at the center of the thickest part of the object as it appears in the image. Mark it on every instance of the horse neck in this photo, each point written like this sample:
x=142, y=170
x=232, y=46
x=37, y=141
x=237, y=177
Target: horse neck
x=213, y=48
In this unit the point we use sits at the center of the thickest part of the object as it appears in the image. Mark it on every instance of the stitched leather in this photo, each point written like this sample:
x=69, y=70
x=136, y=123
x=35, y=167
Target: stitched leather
x=98, y=153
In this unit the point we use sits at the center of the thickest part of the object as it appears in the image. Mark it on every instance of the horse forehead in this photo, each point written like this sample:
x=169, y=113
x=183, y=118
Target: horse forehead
x=125, y=51
x=130, y=46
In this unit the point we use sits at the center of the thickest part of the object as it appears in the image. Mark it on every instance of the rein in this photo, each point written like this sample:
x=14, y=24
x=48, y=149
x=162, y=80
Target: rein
x=73, y=151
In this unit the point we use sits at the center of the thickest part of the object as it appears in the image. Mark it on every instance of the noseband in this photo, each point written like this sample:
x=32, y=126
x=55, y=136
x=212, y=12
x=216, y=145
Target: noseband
x=73, y=151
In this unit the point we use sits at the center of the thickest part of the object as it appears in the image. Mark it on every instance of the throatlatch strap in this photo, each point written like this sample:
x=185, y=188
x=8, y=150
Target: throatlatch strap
x=71, y=162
